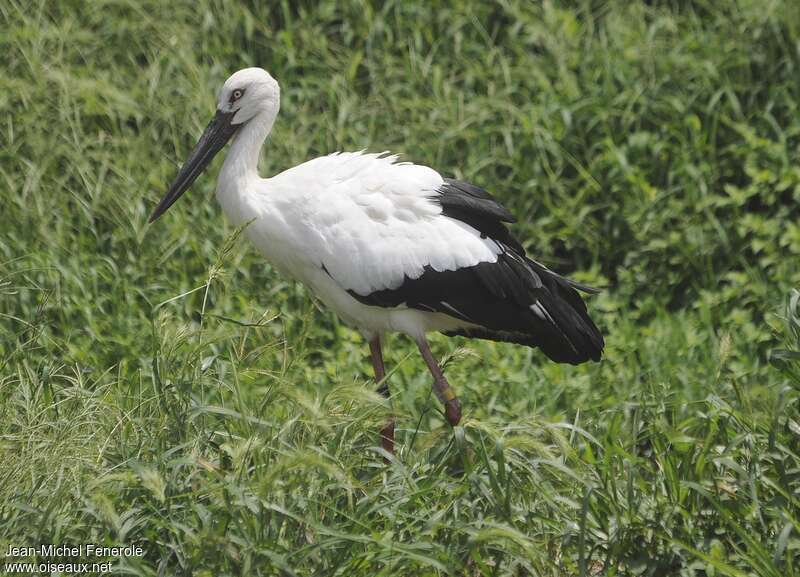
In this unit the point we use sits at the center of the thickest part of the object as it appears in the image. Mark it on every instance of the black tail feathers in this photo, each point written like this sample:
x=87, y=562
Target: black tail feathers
x=557, y=323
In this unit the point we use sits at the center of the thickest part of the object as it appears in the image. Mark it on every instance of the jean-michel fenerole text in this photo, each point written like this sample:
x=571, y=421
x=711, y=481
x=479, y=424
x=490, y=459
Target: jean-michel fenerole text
x=82, y=550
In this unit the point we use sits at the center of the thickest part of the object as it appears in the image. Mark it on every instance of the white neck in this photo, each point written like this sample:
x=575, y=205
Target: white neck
x=240, y=168
x=241, y=161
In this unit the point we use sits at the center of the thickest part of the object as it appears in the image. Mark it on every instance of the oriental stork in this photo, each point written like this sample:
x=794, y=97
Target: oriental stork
x=388, y=245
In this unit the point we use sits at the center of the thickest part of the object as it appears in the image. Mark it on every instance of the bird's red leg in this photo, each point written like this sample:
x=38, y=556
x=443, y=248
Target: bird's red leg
x=387, y=433
x=452, y=408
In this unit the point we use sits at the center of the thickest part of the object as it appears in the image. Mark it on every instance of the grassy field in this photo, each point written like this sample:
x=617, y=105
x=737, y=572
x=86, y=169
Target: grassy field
x=161, y=385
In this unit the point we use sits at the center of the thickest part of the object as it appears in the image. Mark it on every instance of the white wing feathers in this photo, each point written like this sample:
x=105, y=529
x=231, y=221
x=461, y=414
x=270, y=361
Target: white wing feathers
x=372, y=221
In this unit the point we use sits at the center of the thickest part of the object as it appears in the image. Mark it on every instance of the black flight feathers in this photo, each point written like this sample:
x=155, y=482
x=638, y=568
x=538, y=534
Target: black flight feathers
x=476, y=207
x=514, y=299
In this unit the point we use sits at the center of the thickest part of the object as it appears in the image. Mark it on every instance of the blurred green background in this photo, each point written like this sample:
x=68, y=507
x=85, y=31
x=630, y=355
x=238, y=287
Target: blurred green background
x=162, y=385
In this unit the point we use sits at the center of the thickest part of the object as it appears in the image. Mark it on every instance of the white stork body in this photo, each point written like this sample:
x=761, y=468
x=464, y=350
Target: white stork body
x=389, y=246
x=354, y=221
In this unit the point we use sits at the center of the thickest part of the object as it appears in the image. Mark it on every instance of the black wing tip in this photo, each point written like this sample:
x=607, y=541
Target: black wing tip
x=589, y=349
x=510, y=300
x=584, y=288
x=556, y=321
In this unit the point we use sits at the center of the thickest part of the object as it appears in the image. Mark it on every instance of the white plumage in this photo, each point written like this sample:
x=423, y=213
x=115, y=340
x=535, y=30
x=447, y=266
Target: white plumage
x=370, y=221
x=388, y=245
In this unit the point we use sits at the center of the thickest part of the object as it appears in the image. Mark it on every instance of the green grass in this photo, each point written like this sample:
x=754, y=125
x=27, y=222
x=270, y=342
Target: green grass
x=161, y=385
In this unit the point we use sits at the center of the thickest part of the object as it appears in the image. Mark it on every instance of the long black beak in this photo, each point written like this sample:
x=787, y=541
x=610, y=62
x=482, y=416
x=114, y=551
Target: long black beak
x=214, y=137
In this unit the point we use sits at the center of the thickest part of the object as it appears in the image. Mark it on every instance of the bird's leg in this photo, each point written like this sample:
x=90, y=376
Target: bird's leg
x=387, y=433
x=452, y=408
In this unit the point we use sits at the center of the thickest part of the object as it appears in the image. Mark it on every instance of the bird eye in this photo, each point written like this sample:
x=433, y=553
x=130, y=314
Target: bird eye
x=237, y=94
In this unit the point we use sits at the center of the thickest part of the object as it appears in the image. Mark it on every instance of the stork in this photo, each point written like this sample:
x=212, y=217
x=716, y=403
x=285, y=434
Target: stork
x=389, y=246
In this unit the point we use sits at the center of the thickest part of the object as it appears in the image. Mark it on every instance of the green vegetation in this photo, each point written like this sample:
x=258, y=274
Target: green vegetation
x=161, y=385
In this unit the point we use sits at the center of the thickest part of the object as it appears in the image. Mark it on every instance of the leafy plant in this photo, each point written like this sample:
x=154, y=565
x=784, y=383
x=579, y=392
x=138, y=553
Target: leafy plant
x=788, y=359
x=162, y=385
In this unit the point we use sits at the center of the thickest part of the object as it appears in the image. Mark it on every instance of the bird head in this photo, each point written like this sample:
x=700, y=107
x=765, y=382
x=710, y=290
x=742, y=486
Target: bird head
x=248, y=94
